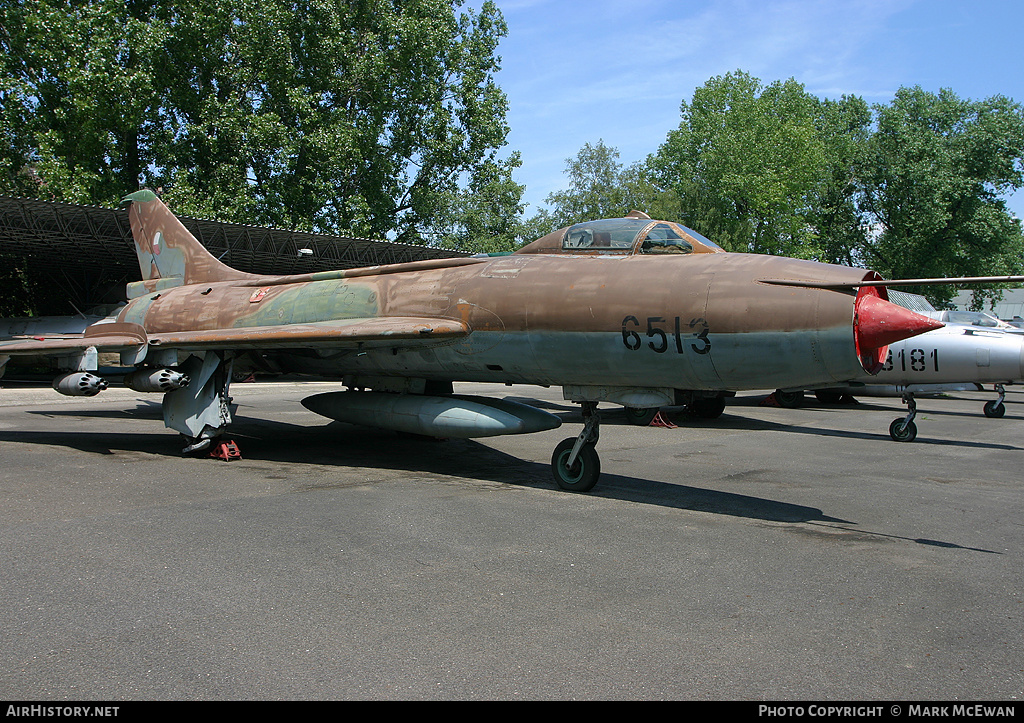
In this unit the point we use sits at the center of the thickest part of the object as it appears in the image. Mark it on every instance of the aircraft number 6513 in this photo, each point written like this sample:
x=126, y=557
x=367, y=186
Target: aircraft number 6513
x=662, y=336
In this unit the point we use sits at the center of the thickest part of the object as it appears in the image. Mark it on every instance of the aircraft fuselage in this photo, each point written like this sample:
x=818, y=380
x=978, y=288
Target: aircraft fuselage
x=702, y=322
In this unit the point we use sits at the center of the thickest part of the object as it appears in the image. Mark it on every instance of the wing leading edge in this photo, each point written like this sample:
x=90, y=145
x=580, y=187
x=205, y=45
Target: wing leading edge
x=341, y=334
x=345, y=333
x=104, y=336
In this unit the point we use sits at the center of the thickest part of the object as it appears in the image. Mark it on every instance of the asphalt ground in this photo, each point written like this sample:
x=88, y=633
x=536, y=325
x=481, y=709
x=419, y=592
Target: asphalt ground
x=771, y=554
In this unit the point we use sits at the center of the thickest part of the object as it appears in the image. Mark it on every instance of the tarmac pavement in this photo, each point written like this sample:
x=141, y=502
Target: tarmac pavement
x=771, y=554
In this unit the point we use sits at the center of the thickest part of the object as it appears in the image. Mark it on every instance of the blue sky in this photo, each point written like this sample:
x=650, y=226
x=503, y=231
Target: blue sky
x=579, y=72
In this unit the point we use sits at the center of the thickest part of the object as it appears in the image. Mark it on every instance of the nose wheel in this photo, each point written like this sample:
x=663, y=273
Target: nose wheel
x=996, y=408
x=903, y=429
x=575, y=463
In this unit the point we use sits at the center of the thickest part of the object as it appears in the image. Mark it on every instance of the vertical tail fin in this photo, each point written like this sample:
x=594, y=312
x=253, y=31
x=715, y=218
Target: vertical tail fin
x=168, y=254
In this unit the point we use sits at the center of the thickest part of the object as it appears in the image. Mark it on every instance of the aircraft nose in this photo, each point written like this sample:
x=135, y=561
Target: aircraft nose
x=878, y=323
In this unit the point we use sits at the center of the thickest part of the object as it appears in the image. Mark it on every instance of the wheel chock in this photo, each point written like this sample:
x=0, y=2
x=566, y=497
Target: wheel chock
x=660, y=421
x=226, y=451
x=769, y=401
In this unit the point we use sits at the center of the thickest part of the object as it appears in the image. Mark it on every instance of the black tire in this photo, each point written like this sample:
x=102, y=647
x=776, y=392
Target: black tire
x=994, y=409
x=708, y=407
x=582, y=476
x=789, y=400
x=901, y=432
x=198, y=446
x=827, y=397
x=641, y=417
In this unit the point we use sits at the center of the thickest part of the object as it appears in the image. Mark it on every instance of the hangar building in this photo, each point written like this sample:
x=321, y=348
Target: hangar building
x=69, y=258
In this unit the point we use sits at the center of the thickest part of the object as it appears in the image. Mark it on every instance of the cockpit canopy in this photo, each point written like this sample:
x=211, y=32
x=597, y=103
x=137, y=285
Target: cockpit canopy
x=631, y=235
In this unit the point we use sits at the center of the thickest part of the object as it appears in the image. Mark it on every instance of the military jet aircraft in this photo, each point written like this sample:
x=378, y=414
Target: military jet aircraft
x=670, y=317
x=974, y=318
x=939, y=360
x=973, y=349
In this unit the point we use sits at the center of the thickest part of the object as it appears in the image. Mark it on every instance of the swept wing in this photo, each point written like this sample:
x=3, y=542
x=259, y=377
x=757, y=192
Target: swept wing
x=348, y=333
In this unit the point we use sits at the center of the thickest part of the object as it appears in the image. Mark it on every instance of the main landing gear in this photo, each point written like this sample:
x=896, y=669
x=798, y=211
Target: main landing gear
x=904, y=429
x=639, y=416
x=202, y=411
x=575, y=463
x=697, y=407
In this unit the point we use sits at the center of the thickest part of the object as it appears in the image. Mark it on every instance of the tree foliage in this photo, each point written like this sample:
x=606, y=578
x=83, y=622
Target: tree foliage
x=747, y=160
x=13, y=281
x=378, y=117
x=931, y=185
x=600, y=187
x=912, y=188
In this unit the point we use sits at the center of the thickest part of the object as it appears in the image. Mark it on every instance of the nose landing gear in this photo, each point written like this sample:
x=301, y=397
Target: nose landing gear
x=575, y=463
x=903, y=429
x=996, y=408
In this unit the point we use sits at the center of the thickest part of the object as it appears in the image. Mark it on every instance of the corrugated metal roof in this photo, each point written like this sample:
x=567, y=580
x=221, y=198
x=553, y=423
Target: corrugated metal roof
x=914, y=302
x=88, y=248
x=57, y=233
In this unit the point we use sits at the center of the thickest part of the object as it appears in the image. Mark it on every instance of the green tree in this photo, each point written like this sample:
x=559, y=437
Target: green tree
x=478, y=217
x=601, y=187
x=833, y=211
x=78, y=101
x=932, y=185
x=746, y=161
x=595, y=188
x=15, y=299
x=378, y=117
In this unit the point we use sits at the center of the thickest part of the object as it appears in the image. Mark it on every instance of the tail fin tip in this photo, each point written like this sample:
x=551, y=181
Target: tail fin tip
x=141, y=196
x=167, y=250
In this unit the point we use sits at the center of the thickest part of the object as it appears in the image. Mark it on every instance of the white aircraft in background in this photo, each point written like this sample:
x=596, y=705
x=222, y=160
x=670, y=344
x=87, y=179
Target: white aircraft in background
x=973, y=349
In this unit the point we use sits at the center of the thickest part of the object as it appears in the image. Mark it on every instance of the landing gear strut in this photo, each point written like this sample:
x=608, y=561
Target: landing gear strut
x=575, y=463
x=995, y=408
x=203, y=410
x=903, y=429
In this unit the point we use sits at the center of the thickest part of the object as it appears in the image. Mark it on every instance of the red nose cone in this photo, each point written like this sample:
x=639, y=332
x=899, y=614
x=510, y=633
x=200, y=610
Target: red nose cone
x=878, y=323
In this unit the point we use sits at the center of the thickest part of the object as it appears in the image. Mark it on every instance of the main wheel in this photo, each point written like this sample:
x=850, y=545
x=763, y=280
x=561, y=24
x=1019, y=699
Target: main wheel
x=826, y=396
x=789, y=400
x=902, y=432
x=641, y=417
x=583, y=474
x=708, y=407
x=994, y=409
x=197, y=446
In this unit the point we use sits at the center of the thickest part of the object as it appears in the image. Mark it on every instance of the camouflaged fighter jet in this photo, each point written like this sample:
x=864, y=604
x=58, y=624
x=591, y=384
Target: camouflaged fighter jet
x=635, y=312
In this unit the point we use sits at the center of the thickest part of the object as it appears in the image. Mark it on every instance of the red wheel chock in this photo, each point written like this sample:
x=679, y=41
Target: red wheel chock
x=660, y=421
x=226, y=451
